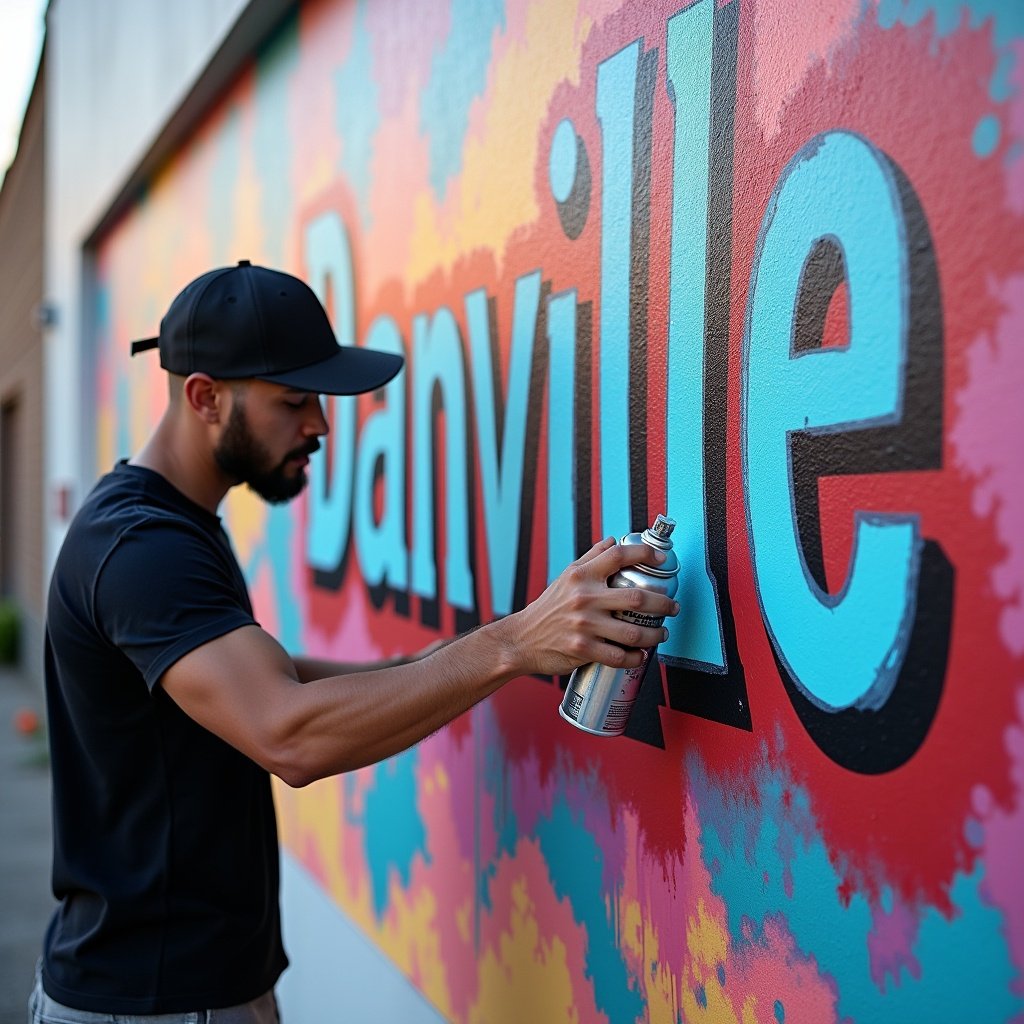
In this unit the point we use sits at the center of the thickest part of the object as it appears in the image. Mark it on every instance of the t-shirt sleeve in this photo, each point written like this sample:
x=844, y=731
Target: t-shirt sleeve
x=164, y=590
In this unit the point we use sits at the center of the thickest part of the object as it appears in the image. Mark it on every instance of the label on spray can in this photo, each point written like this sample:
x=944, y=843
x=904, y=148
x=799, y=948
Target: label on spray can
x=618, y=709
x=639, y=618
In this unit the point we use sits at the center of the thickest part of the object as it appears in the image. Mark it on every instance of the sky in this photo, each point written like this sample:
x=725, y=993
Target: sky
x=21, y=38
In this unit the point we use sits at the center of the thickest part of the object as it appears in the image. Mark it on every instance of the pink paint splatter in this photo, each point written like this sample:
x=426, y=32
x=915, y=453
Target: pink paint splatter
x=789, y=45
x=264, y=598
x=986, y=438
x=890, y=944
x=1004, y=841
x=770, y=964
x=1015, y=130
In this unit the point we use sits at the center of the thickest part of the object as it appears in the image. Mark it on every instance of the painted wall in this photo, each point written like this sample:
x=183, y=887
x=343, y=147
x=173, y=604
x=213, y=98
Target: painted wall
x=759, y=266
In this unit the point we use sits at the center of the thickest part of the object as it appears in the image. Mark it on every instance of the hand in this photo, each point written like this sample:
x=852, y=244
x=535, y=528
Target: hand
x=571, y=623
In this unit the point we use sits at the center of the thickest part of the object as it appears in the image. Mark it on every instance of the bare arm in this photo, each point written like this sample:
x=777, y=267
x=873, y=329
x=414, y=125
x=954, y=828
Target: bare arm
x=244, y=688
x=309, y=669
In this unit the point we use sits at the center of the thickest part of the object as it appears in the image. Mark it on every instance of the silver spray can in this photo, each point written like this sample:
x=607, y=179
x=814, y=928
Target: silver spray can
x=599, y=698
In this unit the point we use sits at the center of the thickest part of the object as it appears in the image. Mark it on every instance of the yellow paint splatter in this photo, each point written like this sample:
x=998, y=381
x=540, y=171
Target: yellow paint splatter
x=529, y=979
x=412, y=939
x=246, y=515
x=494, y=194
x=706, y=939
x=750, y=1010
x=639, y=941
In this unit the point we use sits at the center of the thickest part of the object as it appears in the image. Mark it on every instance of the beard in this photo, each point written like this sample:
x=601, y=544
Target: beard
x=242, y=456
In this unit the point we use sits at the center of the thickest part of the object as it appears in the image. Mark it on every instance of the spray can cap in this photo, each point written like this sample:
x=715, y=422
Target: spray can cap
x=658, y=535
x=662, y=527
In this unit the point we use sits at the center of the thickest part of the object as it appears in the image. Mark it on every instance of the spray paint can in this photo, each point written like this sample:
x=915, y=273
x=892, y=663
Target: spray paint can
x=599, y=698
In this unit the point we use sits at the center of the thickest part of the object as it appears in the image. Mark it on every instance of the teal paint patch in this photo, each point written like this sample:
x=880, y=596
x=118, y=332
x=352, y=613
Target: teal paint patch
x=1007, y=17
x=962, y=960
x=276, y=62
x=123, y=405
x=458, y=75
x=575, y=864
x=496, y=782
x=986, y=136
x=394, y=830
x=350, y=790
x=104, y=341
x=357, y=102
x=780, y=1012
x=751, y=851
x=1001, y=87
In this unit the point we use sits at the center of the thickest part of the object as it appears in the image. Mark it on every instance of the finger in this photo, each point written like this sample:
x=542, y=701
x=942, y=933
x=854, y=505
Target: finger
x=620, y=555
x=600, y=547
x=614, y=656
x=634, y=601
x=632, y=634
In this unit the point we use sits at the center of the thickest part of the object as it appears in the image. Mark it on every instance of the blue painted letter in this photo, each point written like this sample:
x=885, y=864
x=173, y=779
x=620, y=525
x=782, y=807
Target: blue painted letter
x=842, y=650
x=381, y=546
x=616, y=99
x=329, y=270
x=695, y=635
x=561, y=432
x=502, y=463
x=438, y=362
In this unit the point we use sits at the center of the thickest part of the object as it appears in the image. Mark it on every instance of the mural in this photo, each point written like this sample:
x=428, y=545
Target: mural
x=755, y=264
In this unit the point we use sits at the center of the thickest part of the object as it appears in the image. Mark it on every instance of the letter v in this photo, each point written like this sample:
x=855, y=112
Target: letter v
x=501, y=472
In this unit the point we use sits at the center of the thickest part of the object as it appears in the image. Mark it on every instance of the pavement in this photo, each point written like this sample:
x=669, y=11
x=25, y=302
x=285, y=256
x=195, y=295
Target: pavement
x=25, y=831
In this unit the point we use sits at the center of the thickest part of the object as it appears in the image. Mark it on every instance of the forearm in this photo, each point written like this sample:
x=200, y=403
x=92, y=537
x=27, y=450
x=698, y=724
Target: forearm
x=310, y=669
x=244, y=688
x=345, y=721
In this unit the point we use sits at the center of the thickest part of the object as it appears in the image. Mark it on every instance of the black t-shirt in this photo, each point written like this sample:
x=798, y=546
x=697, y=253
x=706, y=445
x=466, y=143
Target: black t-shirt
x=165, y=840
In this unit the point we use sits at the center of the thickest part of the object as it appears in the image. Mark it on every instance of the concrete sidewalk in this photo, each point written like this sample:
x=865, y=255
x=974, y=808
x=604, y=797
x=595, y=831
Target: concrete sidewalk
x=25, y=899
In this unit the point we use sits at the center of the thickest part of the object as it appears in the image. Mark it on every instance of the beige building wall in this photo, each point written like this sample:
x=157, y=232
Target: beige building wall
x=21, y=381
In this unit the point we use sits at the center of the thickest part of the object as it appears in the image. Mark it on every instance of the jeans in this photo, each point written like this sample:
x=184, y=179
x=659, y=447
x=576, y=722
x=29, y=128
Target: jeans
x=44, y=1010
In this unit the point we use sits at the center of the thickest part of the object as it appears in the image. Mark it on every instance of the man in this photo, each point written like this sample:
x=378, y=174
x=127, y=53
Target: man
x=169, y=706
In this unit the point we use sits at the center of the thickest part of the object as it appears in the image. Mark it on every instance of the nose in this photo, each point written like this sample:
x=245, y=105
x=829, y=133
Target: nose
x=317, y=425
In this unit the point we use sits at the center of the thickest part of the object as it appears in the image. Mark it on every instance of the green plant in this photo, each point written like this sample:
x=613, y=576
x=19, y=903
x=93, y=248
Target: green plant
x=10, y=631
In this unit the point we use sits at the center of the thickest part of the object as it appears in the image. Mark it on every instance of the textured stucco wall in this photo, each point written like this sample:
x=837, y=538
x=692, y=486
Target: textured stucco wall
x=760, y=267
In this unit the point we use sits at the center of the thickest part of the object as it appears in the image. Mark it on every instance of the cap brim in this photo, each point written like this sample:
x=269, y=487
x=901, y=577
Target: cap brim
x=350, y=371
x=144, y=345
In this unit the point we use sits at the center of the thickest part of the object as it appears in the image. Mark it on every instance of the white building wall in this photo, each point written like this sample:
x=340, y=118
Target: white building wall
x=121, y=75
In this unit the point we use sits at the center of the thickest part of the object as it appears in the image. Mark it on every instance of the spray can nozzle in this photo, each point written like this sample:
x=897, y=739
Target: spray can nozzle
x=659, y=532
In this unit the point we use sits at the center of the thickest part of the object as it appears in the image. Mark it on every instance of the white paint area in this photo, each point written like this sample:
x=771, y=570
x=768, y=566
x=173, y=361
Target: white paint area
x=337, y=975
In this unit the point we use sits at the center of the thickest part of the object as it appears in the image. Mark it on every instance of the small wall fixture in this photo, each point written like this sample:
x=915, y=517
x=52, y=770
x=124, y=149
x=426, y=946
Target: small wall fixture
x=44, y=315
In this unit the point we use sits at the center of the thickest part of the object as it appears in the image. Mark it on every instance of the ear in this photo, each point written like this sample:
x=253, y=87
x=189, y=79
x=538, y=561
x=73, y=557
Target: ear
x=206, y=397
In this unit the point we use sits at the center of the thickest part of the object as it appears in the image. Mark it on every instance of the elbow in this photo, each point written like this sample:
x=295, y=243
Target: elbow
x=294, y=770
x=289, y=760
x=298, y=755
x=294, y=776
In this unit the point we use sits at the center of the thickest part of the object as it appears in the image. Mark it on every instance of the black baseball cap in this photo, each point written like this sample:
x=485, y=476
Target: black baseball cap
x=246, y=321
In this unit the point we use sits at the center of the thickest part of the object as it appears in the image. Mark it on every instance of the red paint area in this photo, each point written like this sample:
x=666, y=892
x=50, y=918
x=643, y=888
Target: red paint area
x=917, y=98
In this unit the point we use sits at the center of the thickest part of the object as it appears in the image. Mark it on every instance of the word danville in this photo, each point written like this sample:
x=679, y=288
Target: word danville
x=843, y=651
